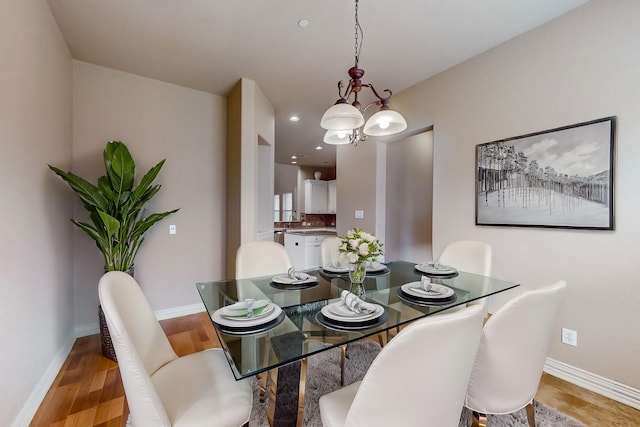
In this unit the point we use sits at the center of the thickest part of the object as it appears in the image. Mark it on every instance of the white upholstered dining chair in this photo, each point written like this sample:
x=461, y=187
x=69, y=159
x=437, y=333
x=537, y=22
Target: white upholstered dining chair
x=261, y=258
x=329, y=251
x=470, y=256
x=161, y=388
x=513, y=349
x=418, y=379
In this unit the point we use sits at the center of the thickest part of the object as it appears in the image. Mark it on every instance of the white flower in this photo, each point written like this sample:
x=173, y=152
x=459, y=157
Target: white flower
x=343, y=258
x=367, y=237
x=355, y=243
x=352, y=257
x=364, y=249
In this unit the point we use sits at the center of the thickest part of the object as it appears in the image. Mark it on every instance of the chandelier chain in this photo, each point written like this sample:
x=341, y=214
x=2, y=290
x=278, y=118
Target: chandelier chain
x=359, y=37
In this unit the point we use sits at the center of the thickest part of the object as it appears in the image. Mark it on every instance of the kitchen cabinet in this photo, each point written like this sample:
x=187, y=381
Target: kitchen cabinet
x=331, y=195
x=304, y=250
x=316, y=196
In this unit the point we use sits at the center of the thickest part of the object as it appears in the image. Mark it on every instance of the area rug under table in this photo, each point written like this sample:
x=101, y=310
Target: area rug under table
x=323, y=376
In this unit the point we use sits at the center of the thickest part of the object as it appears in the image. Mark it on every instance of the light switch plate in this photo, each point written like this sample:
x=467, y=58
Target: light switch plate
x=172, y=229
x=359, y=214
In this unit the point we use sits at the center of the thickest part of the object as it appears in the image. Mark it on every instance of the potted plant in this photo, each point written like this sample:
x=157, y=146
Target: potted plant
x=116, y=212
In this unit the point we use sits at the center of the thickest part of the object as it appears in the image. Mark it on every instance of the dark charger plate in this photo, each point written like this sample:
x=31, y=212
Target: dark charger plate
x=294, y=287
x=247, y=330
x=351, y=326
x=425, y=301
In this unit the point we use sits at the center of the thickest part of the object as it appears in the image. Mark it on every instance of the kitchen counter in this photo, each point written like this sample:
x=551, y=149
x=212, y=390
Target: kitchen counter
x=326, y=231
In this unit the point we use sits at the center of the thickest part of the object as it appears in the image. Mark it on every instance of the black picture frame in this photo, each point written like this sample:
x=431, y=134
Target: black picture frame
x=557, y=178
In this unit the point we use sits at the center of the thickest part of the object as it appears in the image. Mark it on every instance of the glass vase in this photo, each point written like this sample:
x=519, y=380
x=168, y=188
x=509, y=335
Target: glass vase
x=357, y=273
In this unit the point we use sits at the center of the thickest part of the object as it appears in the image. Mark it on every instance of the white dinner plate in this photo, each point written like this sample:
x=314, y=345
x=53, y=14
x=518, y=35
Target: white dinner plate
x=284, y=279
x=375, y=267
x=372, y=268
x=429, y=268
x=335, y=269
x=217, y=317
x=241, y=313
x=437, y=291
x=340, y=312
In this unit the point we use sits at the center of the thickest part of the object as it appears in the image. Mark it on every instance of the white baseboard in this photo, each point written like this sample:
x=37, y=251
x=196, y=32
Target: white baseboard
x=86, y=330
x=40, y=390
x=184, y=310
x=169, y=313
x=612, y=389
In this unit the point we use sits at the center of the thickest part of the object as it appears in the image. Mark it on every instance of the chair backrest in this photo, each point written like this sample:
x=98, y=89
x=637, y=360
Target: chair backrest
x=472, y=257
x=329, y=251
x=468, y=255
x=421, y=376
x=261, y=258
x=140, y=344
x=514, y=346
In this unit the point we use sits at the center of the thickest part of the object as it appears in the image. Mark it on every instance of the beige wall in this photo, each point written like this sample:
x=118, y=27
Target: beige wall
x=35, y=250
x=356, y=186
x=251, y=120
x=582, y=66
x=409, y=198
x=157, y=121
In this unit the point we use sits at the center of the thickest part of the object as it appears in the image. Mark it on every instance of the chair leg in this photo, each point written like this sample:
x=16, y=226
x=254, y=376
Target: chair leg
x=343, y=355
x=531, y=414
x=263, y=379
x=478, y=420
x=301, y=390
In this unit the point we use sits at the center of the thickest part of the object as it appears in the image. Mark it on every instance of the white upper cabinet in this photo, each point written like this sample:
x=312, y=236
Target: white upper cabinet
x=331, y=203
x=316, y=196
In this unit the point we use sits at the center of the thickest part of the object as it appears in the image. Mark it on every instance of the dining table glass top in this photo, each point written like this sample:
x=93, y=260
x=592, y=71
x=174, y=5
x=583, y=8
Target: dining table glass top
x=299, y=331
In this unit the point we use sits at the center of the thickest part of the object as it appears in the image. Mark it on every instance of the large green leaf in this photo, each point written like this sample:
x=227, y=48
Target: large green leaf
x=88, y=193
x=111, y=224
x=142, y=226
x=120, y=167
x=103, y=243
x=146, y=182
x=104, y=186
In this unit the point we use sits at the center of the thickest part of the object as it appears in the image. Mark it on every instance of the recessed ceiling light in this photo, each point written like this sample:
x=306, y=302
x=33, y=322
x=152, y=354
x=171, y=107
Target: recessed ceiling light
x=294, y=162
x=294, y=118
x=294, y=157
x=319, y=147
x=303, y=23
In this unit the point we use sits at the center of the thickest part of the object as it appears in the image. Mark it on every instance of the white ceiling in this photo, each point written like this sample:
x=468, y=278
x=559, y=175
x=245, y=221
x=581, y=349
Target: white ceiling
x=210, y=44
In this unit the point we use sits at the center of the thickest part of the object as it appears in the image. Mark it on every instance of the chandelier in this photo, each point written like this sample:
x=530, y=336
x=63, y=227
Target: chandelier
x=345, y=121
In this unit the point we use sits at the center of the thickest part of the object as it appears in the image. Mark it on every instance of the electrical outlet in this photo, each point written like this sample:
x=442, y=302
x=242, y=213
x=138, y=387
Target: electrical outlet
x=569, y=337
x=172, y=229
x=359, y=214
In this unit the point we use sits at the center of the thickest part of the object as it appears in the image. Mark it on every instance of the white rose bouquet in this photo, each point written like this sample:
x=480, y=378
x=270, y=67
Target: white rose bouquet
x=358, y=246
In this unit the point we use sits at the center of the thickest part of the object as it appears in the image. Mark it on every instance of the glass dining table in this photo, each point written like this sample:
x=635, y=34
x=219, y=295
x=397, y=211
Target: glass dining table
x=280, y=347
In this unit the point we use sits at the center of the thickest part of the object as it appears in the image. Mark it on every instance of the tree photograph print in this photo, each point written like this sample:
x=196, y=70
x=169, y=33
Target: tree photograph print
x=556, y=178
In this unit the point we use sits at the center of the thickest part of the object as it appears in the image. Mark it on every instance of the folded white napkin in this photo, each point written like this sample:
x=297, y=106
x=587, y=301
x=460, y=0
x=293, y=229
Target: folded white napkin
x=355, y=304
x=297, y=275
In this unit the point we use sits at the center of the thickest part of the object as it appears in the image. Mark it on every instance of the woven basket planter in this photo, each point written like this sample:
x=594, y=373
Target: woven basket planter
x=105, y=338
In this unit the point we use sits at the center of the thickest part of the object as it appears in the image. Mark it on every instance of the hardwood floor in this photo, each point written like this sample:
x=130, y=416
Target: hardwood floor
x=88, y=391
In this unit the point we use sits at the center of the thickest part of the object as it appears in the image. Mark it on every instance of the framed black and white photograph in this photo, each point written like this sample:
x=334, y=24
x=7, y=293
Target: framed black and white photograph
x=559, y=178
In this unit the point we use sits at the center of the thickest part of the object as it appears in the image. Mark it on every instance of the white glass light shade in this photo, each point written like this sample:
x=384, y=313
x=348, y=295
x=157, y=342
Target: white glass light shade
x=385, y=122
x=337, y=137
x=342, y=117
